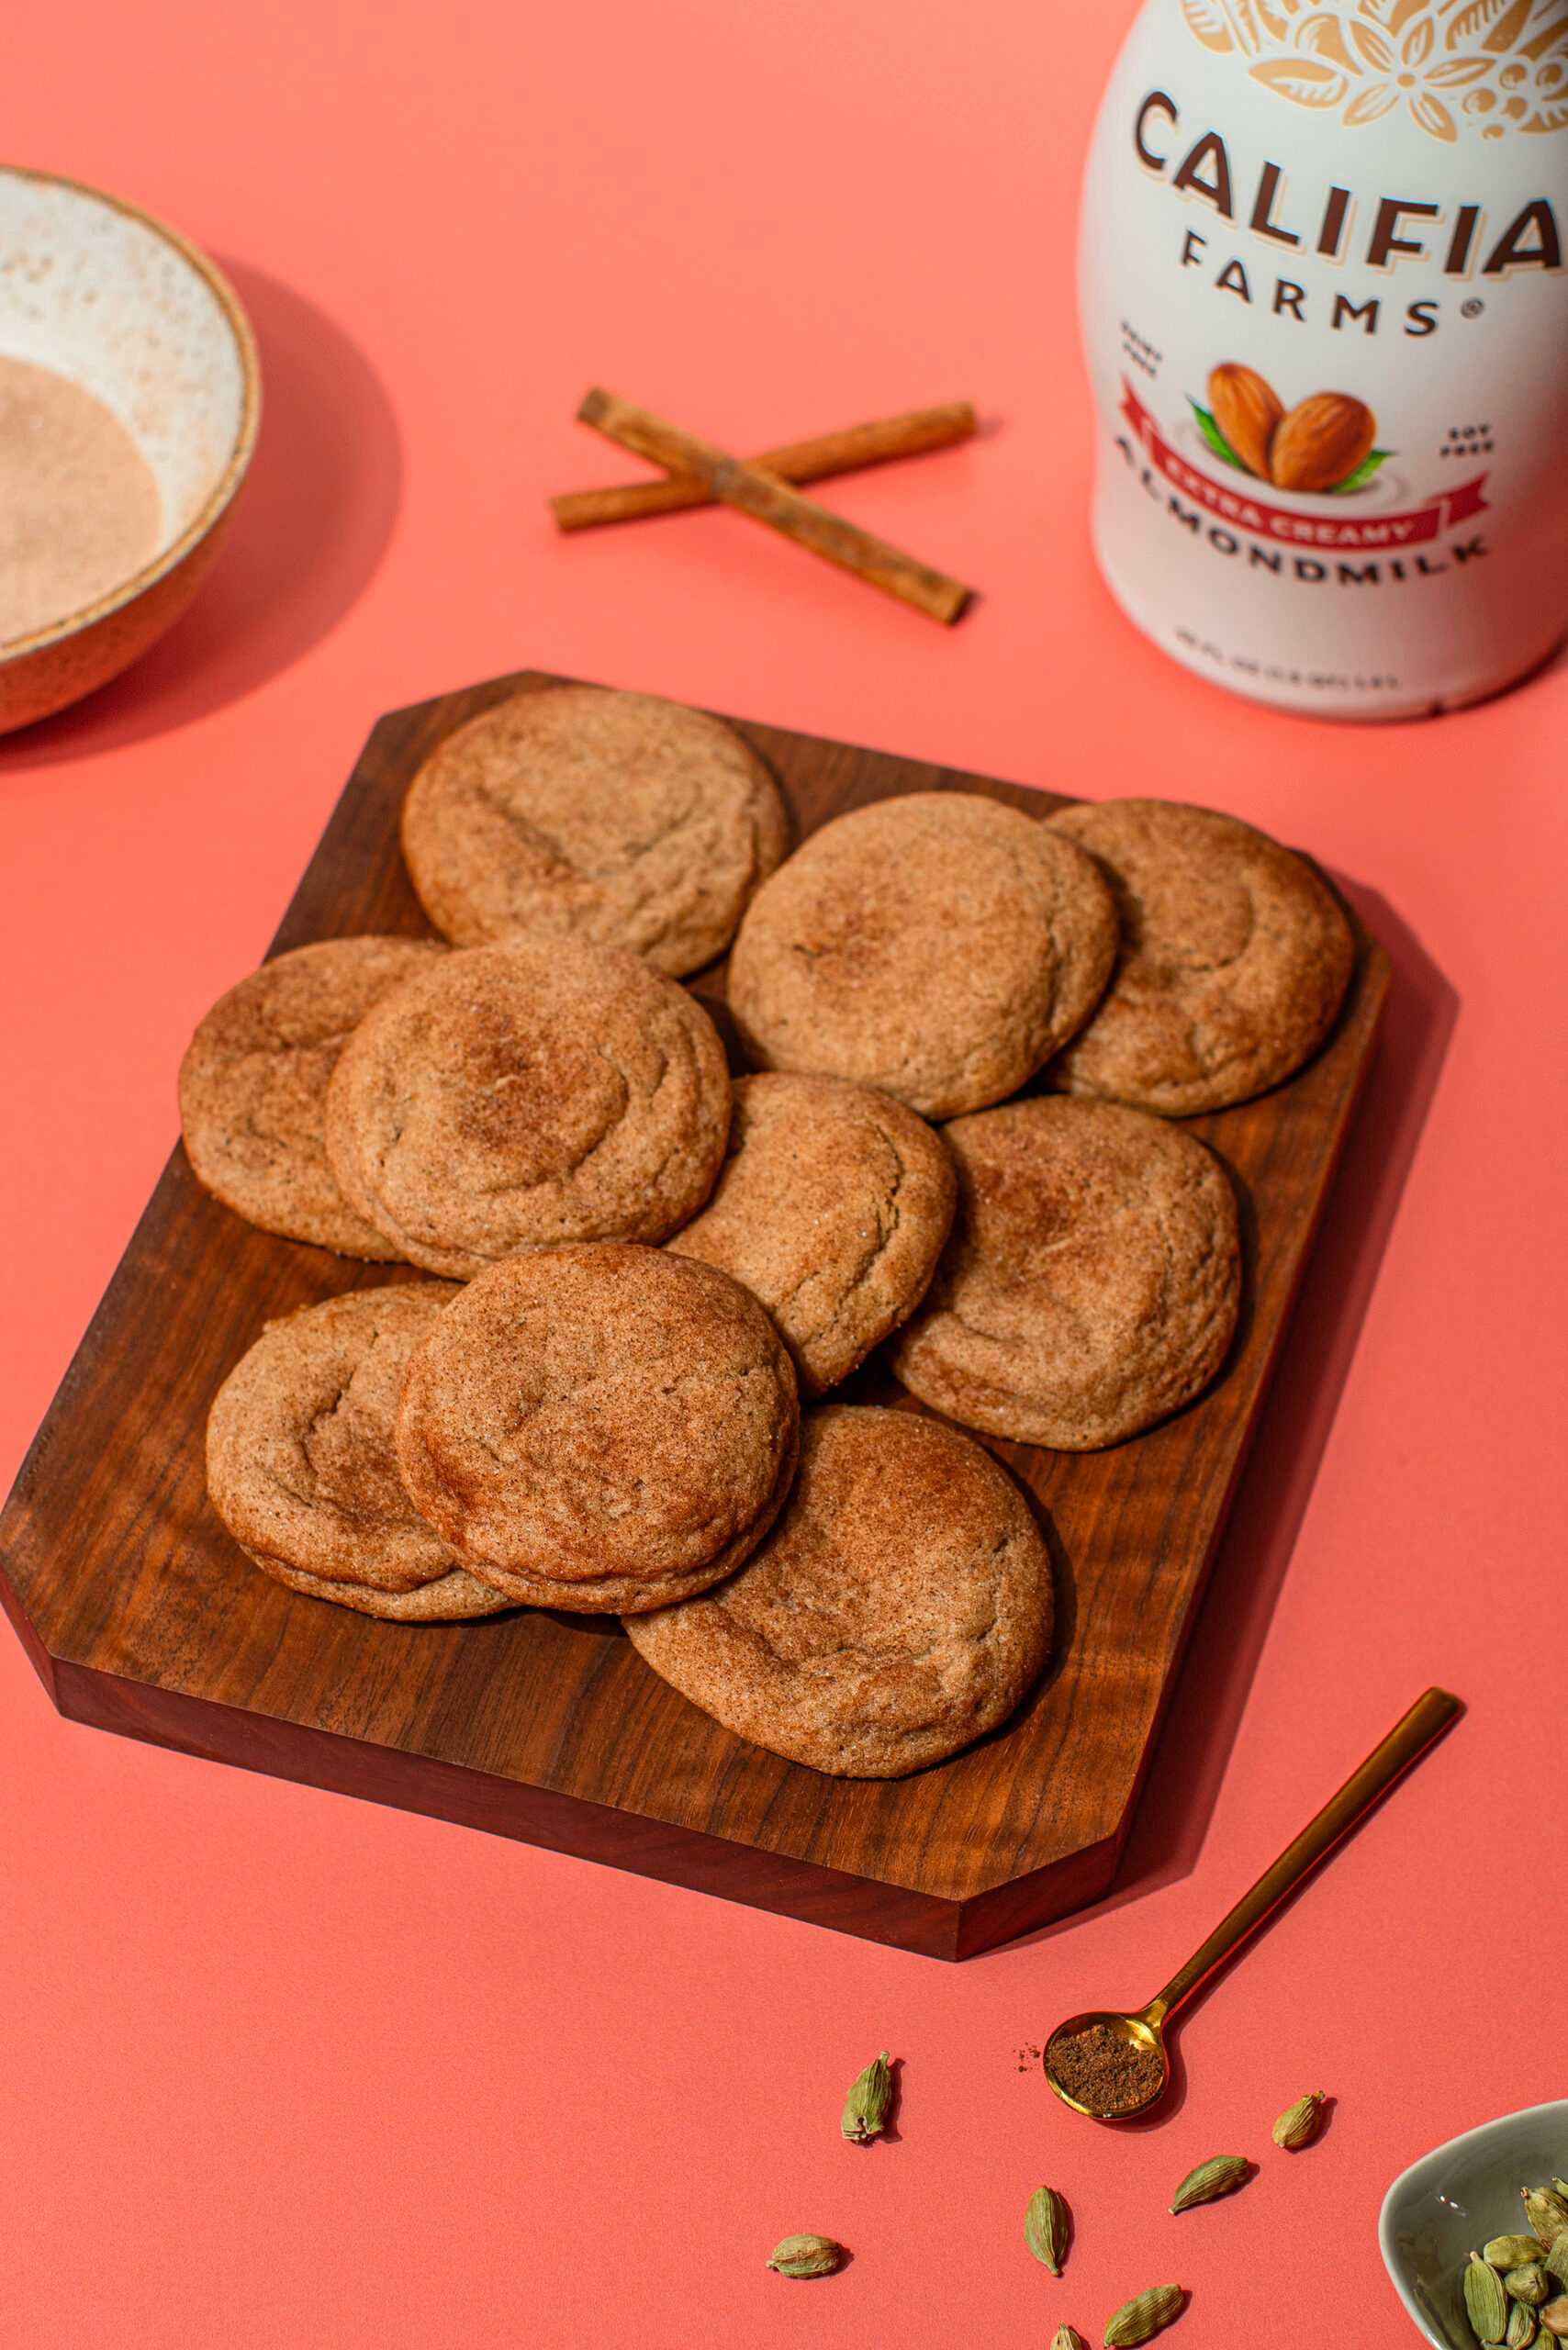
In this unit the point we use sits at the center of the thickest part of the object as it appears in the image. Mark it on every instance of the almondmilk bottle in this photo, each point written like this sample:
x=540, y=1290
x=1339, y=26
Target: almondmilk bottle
x=1326, y=317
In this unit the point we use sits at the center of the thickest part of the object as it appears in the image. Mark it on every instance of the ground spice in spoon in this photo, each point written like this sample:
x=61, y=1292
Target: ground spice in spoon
x=1104, y=2071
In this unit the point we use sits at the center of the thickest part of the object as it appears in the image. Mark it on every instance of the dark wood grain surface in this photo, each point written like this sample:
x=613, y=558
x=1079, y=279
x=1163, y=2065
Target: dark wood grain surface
x=141, y=1615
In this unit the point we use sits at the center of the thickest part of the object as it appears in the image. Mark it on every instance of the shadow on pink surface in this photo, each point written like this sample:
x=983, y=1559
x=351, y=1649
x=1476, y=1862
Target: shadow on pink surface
x=1187, y=1761
x=309, y=530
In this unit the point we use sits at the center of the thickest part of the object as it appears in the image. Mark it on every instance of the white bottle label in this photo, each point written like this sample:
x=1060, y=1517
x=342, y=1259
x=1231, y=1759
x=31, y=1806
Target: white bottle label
x=1326, y=314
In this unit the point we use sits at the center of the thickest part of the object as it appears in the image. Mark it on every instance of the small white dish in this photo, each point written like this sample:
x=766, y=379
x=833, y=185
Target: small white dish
x=1451, y=2202
x=119, y=302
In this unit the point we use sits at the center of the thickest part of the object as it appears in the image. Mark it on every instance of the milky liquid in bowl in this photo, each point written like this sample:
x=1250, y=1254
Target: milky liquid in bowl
x=79, y=506
x=128, y=368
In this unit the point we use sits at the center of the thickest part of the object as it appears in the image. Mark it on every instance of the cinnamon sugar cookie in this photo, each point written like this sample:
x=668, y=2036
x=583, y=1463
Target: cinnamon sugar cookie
x=1234, y=963
x=515, y=1096
x=600, y=1427
x=900, y=1608
x=832, y=1207
x=610, y=816
x=939, y=945
x=255, y=1079
x=300, y=1464
x=1092, y=1280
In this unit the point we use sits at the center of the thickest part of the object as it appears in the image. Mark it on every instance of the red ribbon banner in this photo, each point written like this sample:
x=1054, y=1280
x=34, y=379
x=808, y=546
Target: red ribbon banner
x=1236, y=506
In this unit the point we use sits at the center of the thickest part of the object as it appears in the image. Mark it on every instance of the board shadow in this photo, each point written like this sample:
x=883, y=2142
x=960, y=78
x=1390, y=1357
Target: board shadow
x=1186, y=1761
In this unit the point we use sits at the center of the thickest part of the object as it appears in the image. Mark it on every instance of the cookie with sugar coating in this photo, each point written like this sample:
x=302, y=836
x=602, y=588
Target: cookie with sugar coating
x=900, y=1608
x=253, y=1086
x=939, y=945
x=300, y=1464
x=601, y=1429
x=1092, y=1282
x=574, y=810
x=517, y=1096
x=832, y=1207
x=1233, y=961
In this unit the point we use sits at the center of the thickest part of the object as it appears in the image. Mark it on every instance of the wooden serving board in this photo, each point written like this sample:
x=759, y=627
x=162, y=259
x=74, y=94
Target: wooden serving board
x=142, y=1617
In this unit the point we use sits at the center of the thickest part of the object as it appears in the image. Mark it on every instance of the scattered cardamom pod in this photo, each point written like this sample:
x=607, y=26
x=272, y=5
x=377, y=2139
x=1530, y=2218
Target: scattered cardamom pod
x=1298, y=2123
x=1216, y=2177
x=1527, y=2282
x=1546, y=2212
x=1556, y=2262
x=1045, y=2228
x=1559, y=2186
x=1510, y=2252
x=1067, y=2337
x=1486, y=2303
x=1522, y=2328
x=865, y=2107
x=1142, y=2317
x=806, y=2256
x=1554, y=2318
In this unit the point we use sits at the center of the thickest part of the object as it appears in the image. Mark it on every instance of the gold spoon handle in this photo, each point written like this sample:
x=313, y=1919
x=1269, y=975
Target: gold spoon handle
x=1427, y=1718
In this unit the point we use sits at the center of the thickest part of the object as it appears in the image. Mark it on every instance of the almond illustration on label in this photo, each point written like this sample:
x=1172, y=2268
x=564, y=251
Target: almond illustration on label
x=1321, y=441
x=1248, y=411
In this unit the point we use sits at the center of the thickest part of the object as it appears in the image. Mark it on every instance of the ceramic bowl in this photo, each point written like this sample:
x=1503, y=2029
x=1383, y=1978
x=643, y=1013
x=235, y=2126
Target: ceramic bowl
x=1451, y=2202
x=109, y=296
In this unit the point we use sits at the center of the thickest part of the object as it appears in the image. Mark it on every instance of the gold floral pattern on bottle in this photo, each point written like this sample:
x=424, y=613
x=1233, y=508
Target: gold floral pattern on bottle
x=1493, y=65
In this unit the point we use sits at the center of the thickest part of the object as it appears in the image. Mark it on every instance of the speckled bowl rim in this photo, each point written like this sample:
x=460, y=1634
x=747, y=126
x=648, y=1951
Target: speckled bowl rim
x=220, y=496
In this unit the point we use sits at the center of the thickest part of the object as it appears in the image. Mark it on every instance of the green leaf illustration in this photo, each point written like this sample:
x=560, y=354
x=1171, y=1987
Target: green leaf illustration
x=1364, y=472
x=1214, y=436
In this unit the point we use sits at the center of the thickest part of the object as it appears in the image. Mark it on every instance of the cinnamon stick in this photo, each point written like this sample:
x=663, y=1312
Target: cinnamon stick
x=910, y=435
x=768, y=499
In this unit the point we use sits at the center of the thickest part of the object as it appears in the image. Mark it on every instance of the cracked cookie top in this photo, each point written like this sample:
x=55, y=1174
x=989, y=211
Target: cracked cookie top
x=1092, y=1282
x=300, y=1464
x=1234, y=963
x=255, y=1079
x=612, y=816
x=600, y=1427
x=832, y=1207
x=515, y=1096
x=900, y=1608
x=938, y=945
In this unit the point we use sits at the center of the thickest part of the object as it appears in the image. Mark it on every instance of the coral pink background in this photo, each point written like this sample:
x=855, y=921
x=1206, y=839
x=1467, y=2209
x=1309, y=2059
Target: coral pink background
x=282, y=2072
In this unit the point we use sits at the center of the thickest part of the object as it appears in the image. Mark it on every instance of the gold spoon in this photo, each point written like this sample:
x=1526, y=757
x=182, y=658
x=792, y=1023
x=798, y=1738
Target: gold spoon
x=1144, y=2030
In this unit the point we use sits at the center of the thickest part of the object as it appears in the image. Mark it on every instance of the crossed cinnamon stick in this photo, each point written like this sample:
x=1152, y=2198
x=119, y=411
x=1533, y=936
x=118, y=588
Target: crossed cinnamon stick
x=699, y=473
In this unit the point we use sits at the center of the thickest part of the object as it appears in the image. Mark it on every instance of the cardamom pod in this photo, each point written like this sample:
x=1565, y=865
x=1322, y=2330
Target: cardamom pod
x=806, y=2256
x=1067, y=2337
x=1522, y=2328
x=1298, y=2123
x=1554, y=2318
x=1045, y=2228
x=1527, y=2282
x=1216, y=2177
x=1486, y=2303
x=1546, y=2212
x=1141, y=2318
x=1510, y=2252
x=1556, y=2262
x=865, y=2107
x=1559, y=2186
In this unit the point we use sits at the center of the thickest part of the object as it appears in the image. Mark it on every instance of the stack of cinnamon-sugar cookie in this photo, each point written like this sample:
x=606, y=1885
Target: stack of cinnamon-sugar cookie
x=640, y=1270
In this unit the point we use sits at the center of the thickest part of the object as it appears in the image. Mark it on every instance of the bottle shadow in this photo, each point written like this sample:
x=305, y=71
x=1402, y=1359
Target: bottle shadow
x=310, y=527
x=1187, y=1761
